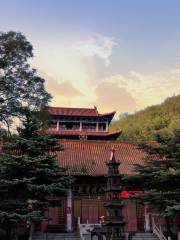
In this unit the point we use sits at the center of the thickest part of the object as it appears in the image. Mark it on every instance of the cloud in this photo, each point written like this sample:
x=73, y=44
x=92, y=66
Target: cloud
x=97, y=45
x=158, y=85
x=71, y=75
x=68, y=90
x=130, y=92
x=145, y=89
x=65, y=88
x=112, y=97
x=61, y=62
x=175, y=71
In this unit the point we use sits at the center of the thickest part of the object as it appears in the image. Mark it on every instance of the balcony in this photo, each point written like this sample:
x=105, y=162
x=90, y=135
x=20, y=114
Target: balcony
x=69, y=126
x=81, y=126
x=114, y=219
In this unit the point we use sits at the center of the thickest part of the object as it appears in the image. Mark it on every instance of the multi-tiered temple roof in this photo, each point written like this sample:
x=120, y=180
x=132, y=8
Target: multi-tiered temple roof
x=77, y=123
x=87, y=158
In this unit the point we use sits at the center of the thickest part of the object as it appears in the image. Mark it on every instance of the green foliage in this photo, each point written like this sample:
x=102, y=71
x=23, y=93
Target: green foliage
x=160, y=176
x=146, y=124
x=29, y=173
x=20, y=84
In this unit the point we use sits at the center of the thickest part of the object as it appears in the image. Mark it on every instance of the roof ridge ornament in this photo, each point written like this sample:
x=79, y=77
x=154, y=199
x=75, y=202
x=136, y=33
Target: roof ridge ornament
x=112, y=157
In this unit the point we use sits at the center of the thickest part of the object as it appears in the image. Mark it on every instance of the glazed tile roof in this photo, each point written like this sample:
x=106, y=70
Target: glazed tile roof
x=79, y=133
x=85, y=112
x=89, y=157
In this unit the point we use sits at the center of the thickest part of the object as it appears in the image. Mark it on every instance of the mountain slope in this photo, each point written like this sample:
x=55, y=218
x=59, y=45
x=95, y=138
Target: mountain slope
x=144, y=125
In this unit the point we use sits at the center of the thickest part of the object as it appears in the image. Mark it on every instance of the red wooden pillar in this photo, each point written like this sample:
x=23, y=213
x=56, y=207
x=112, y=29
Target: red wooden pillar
x=130, y=217
x=57, y=216
x=69, y=216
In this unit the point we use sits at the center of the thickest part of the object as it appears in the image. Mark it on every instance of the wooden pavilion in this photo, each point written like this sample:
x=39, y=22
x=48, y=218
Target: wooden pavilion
x=87, y=142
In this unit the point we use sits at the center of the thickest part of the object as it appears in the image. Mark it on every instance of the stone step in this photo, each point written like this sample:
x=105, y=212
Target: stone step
x=149, y=238
x=55, y=236
x=87, y=236
x=144, y=236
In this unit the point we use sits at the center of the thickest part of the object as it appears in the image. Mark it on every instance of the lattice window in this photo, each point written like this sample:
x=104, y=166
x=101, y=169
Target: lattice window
x=61, y=209
x=101, y=209
x=77, y=208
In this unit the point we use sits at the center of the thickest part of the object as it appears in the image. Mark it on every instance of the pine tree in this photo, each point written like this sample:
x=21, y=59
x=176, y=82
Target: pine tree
x=160, y=176
x=29, y=175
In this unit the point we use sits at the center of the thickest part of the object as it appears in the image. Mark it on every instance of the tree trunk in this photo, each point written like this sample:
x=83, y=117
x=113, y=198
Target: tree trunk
x=11, y=231
x=31, y=231
x=168, y=226
x=8, y=231
x=15, y=232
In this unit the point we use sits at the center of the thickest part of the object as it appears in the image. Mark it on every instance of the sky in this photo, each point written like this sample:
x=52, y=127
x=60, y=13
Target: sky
x=121, y=55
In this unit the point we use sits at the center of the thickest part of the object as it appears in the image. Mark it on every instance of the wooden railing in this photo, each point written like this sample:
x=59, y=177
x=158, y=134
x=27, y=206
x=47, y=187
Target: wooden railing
x=157, y=229
x=86, y=228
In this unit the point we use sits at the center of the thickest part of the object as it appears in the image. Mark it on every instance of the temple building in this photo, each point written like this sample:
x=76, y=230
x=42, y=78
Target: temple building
x=84, y=134
x=74, y=123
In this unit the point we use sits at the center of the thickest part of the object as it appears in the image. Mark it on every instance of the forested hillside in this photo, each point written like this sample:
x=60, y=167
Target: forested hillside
x=145, y=124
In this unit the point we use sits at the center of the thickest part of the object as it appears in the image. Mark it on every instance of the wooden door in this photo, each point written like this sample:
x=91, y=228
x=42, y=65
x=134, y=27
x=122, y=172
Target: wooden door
x=57, y=216
x=140, y=217
x=130, y=216
x=76, y=212
x=89, y=211
x=53, y=216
